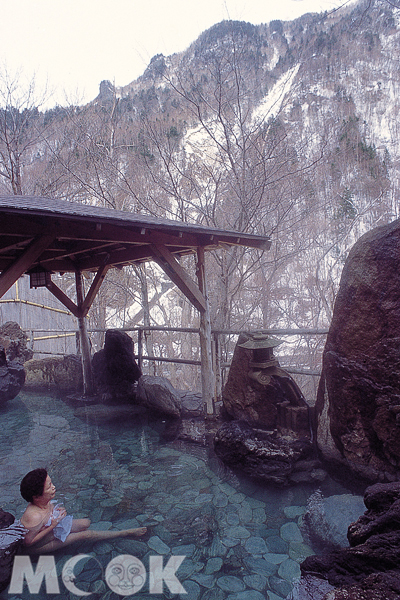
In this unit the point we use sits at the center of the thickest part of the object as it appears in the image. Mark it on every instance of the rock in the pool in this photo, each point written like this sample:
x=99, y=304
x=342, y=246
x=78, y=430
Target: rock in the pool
x=265, y=455
x=12, y=377
x=158, y=395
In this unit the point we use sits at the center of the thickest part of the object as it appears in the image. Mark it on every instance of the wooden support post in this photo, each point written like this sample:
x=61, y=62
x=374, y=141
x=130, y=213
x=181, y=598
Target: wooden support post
x=207, y=373
x=88, y=388
x=140, y=349
x=217, y=368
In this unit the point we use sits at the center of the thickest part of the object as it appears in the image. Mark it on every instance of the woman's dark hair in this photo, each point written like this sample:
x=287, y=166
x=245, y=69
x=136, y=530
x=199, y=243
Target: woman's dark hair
x=33, y=484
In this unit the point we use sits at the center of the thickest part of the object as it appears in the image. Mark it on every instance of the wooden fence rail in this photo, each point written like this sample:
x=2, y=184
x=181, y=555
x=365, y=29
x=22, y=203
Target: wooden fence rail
x=219, y=365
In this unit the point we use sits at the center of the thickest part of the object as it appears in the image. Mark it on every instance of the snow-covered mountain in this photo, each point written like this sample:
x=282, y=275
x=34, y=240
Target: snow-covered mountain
x=286, y=128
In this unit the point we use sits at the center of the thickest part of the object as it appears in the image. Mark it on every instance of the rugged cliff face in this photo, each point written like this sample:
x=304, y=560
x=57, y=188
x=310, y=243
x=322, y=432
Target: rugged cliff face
x=332, y=79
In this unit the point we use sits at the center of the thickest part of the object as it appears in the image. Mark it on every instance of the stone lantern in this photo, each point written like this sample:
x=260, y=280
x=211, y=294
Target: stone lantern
x=263, y=356
x=260, y=392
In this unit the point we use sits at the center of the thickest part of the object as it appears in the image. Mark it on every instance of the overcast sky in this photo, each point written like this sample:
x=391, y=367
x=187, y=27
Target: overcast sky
x=75, y=44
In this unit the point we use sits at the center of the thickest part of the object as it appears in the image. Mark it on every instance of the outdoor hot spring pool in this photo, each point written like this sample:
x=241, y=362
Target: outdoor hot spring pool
x=241, y=540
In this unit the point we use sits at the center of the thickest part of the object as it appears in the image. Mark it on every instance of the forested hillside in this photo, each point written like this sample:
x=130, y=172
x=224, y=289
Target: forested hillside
x=285, y=128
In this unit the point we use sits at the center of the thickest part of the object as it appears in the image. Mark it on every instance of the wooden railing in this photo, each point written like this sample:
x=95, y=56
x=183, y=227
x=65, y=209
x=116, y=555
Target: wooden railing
x=220, y=364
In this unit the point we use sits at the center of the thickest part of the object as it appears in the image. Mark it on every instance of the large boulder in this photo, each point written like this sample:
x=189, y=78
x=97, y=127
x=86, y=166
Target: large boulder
x=378, y=586
x=357, y=413
x=159, y=396
x=369, y=568
x=382, y=515
x=61, y=374
x=15, y=342
x=266, y=455
x=12, y=377
x=352, y=565
x=327, y=520
x=114, y=367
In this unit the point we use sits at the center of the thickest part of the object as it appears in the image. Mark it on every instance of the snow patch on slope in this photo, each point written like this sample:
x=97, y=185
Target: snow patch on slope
x=272, y=103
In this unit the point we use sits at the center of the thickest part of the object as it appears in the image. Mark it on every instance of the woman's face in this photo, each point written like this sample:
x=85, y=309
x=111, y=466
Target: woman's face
x=49, y=490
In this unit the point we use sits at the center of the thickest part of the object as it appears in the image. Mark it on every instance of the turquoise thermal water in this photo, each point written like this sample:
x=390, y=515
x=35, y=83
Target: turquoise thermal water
x=241, y=540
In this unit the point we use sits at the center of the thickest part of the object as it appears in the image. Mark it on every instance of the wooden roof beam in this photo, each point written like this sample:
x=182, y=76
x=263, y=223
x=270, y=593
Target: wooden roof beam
x=82, y=311
x=114, y=258
x=24, y=262
x=15, y=246
x=167, y=261
x=63, y=298
x=71, y=228
x=94, y=288
x=54, y=254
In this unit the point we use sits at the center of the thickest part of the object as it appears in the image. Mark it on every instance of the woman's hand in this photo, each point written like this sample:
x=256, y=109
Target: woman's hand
x=58, y=514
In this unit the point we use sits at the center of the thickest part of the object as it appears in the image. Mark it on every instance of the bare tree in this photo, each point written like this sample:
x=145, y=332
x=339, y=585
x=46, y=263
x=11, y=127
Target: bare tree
x=21, y=130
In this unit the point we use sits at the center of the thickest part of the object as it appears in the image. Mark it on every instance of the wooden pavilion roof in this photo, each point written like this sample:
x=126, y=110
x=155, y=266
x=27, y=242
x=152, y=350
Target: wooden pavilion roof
x=62, y=236
x=79, y=237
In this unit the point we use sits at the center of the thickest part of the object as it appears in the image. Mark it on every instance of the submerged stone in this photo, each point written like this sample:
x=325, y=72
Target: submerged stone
x=109, y=502
x=256, y=582
x=276, y=559
x=272, y=596
x=103, y=548
x=230, y=583
x=238, y=532
x=163, y=533
x=217, y=548
x=276, y=544
x=245, y=512
x=101, y=525
x=299, y=551
x=201, y=484
x=213, y=565
x=259, y=515
x=203, y=499
x=192, y=590
x=145, y=485
x=292, y=512
x=206, y=581
x=220, y=500
x=131, y=546
x=281, y=586
x=289, y=570
x=247, y=595
x=291, y=532
x=184, y=550
x=256, y=545
x=155, y=543
x=230, y=542
x=232, y=519
x=187, y=568
x=260, y=566
x=214, y=594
